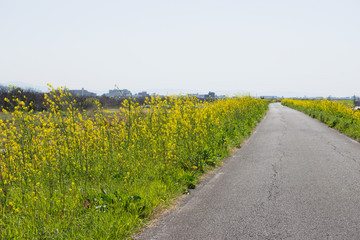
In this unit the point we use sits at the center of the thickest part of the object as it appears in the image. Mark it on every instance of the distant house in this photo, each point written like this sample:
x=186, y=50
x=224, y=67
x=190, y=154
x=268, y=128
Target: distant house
x=143, y=94
x=120, y=93
x=82, y=93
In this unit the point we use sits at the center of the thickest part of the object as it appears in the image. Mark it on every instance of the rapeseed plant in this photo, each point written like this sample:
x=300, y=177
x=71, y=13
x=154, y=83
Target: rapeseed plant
x=65, y=173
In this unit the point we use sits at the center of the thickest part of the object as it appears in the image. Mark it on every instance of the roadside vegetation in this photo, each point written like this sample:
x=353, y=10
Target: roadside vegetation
x=338, y=115
x=348, y=103
x=68, y=174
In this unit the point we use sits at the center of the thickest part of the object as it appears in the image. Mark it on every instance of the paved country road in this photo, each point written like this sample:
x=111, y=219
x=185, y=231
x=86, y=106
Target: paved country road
x=294, y=178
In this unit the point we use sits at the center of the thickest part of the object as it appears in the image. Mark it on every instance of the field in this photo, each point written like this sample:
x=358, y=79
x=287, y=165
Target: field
x=70, y=174
x=336, y=114
x=348, y=103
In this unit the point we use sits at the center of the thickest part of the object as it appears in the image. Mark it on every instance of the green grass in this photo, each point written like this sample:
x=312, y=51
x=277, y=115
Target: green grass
x=348, y=103
x=4, y=116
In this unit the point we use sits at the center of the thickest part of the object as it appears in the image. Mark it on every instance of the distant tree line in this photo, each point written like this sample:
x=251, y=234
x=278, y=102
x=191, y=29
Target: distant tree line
x=37, y=99
x=27, y=96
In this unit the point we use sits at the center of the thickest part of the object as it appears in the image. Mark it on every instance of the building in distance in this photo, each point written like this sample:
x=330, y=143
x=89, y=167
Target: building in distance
x=119, y=93
x=143, y=94
x=82, y=93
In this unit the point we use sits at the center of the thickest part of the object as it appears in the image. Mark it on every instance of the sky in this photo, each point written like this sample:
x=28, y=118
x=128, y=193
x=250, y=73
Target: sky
x=259, y=47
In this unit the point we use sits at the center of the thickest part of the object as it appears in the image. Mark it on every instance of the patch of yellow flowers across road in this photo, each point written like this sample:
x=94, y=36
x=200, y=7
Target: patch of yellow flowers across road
x=71, y=174
x=336, y=114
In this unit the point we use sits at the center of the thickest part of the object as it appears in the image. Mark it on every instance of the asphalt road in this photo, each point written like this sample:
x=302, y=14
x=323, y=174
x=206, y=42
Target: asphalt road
x=294, y=178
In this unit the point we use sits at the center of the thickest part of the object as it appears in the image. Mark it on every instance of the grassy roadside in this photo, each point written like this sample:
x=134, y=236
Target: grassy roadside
x=336, y=115
x=199, y=178
x=68, y=175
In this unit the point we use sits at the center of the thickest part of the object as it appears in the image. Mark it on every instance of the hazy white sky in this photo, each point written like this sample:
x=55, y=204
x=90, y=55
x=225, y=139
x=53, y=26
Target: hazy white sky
x=281, y=47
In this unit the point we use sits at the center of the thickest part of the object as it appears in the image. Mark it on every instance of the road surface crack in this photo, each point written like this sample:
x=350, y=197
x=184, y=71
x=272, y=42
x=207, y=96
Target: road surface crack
x=274, y=184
